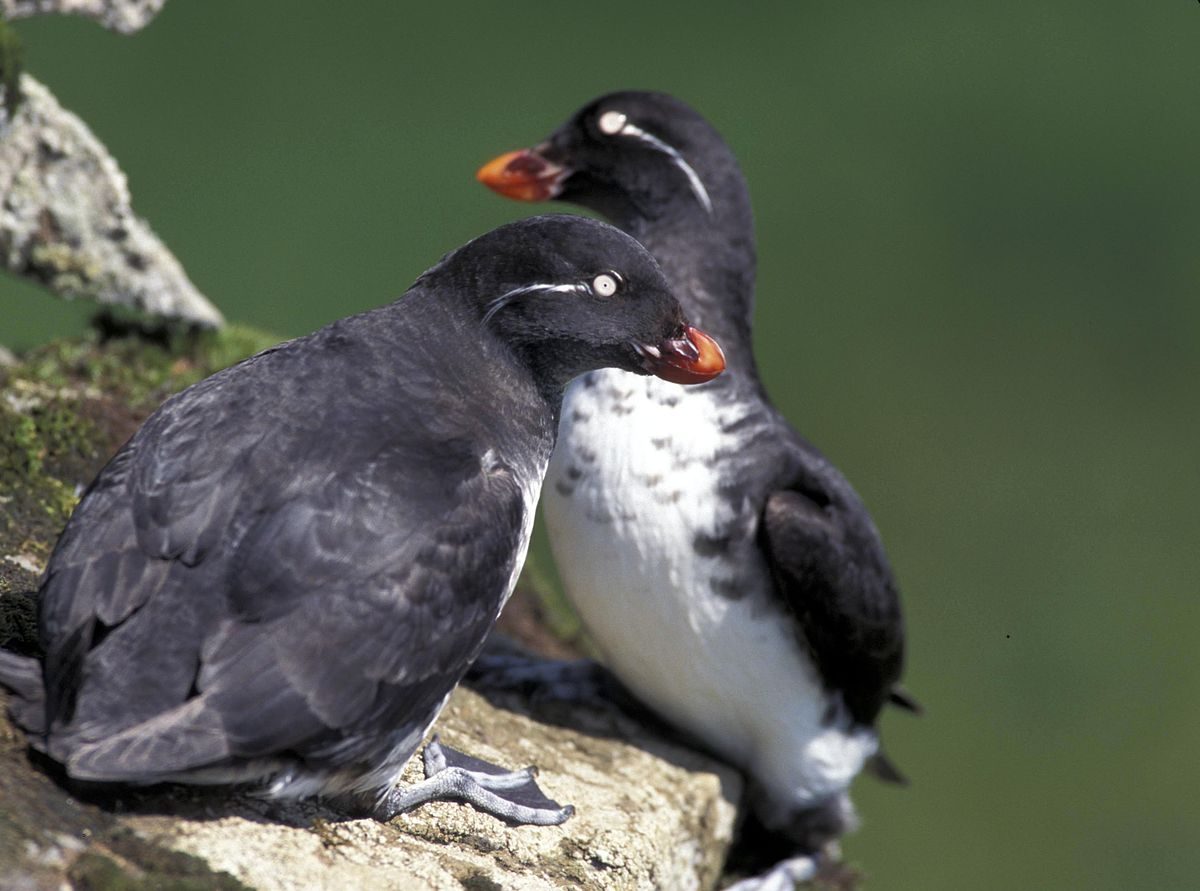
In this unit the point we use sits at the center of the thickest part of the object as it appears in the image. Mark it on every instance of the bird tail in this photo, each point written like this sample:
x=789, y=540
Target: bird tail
x=883, y=768
x=880, y=765
x=165, y=747
x=901, y=698
x=23, y=676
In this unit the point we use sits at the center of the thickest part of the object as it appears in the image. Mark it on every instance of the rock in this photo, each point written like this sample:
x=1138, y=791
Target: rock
x=122, y=16
x=66, y=220
x=649, y=812
x=648, y=815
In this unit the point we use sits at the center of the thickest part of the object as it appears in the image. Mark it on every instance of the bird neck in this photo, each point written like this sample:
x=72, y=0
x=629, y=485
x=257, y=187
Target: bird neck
x=519, y=409
x=549, y=374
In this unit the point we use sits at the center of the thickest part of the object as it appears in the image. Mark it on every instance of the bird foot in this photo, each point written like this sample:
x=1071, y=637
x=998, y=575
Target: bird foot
x=783, y=876
x=553, y=682
x=576, y=680
x=450, y=775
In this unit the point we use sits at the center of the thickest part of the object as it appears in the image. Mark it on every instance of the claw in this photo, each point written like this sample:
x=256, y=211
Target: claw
x=450, y=775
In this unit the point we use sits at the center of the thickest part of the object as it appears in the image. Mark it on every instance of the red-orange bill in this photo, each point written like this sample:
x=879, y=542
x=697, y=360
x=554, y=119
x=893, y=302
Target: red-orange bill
x=691, y=359
x=524, y=175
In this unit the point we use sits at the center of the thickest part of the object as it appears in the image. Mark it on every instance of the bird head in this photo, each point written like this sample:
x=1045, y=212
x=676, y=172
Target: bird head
x=631, y=156
x=572, y=294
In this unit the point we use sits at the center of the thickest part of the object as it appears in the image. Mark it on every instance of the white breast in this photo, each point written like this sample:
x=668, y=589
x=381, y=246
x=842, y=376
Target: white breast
x=696, y=635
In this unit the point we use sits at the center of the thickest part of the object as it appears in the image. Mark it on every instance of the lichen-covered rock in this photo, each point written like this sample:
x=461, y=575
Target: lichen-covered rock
x=649, y=813
x=123, y=16
x=66, y=220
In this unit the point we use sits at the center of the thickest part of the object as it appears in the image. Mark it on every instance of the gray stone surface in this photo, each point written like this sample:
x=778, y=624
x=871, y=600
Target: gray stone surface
x=66, y=220
x=123, y=16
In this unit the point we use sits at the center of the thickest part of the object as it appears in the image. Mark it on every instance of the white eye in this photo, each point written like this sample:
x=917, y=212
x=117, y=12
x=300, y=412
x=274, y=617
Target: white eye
x=604, y=285
x=612, y=122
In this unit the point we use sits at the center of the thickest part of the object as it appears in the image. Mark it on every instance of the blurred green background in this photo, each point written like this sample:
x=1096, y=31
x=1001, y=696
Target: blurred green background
x=979, y=232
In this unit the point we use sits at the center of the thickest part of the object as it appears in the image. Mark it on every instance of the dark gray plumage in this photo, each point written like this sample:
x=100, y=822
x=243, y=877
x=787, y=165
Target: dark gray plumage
x=282, y=575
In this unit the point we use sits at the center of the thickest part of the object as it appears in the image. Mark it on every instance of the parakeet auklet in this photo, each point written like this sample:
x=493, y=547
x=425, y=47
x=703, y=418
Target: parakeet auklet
x=281, y=576
x=727, y=572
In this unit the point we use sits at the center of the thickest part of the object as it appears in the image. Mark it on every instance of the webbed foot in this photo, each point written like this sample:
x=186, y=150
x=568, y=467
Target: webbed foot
x=450, y=775
x=574, y=680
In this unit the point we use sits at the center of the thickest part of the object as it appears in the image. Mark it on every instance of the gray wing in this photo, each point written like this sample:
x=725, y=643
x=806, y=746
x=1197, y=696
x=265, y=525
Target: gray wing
x=169, y=494
x=346, y=621
x=221, y=594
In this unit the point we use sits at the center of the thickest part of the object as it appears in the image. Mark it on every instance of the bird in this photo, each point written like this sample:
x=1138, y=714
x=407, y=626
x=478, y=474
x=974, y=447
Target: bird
x=283, y=574
x=726, y=571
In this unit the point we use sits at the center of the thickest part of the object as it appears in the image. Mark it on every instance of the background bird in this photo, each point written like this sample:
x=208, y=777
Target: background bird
x=727, y=572
x=282, y=575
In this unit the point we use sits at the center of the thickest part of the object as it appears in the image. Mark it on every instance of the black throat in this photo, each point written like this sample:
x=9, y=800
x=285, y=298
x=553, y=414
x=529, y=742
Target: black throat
x=710, y=259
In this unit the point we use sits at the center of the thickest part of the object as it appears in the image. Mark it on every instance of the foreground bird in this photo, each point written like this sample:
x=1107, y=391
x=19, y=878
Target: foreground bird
x=727, y=572
x=283, y=574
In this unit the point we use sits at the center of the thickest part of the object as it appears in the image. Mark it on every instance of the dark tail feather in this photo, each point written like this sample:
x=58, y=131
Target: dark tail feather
x=901, y=697
x=185, y=738
x=23, y=676
x=882, y=768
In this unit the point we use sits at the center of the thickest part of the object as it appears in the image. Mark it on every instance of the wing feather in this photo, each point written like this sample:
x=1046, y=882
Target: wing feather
x=830, y=569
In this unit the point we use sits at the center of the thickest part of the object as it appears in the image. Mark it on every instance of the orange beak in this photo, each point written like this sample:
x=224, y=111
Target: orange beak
x=691, y=359
x=524, y=175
